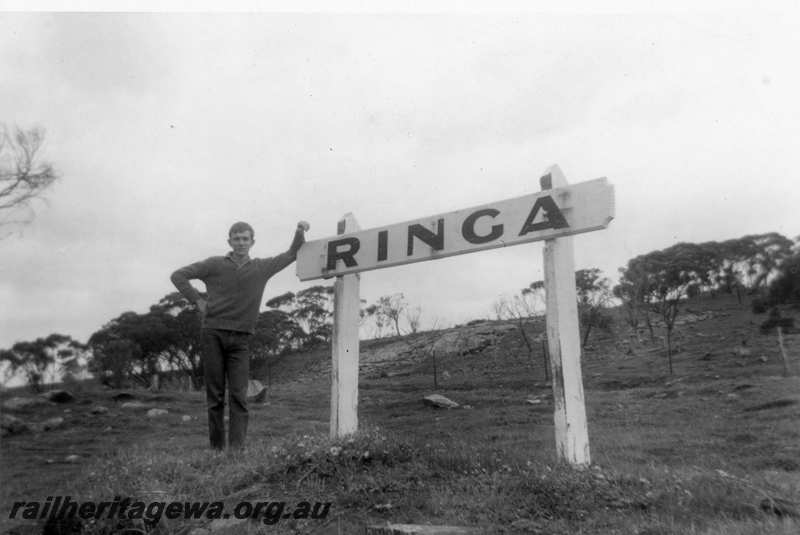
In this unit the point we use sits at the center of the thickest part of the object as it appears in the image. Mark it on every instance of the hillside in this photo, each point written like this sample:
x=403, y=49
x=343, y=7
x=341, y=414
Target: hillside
x=712, y=449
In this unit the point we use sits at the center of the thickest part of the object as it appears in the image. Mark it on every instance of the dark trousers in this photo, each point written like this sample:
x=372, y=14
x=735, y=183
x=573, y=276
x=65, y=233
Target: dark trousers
x=225, y=354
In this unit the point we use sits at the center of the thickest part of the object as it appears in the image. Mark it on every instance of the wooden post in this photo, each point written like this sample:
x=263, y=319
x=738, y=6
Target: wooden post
x=563, y=336
x=784, y=359
x=344, y=346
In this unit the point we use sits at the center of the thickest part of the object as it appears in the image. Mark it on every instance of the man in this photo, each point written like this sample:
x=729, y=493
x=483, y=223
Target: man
x=235, y=286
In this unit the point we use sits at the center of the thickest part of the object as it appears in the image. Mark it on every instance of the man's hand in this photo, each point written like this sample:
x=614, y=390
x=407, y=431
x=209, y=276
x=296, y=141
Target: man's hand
x=202, y=305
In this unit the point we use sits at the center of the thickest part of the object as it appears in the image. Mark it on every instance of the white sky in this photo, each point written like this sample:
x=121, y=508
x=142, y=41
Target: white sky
x=168, y=127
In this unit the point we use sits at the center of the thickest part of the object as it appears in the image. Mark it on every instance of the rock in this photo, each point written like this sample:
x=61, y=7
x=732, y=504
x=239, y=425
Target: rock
x=186, y=418
x=533, y=401
x=154, y=413
x=256, y=391
x=58, y=396
x=123, y=396
x=72, y=458
x=445, y=375
x=17, y=403
x=99, y=409
x=52, y=423
x=47, y=425
x=742, y=351
x=440, y=402
x=762, y=358
x=133, y=405
x=11, y=425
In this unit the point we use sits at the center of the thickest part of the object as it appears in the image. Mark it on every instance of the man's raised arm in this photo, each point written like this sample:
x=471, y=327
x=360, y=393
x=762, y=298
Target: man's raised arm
x=277, y=263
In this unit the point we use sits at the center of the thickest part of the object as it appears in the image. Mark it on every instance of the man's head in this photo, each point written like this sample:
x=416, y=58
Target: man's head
x=240, y=238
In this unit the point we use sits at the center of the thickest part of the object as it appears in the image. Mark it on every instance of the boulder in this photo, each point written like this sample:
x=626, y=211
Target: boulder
x=47, y=425
x=99, y=409
x=134, y=405
x=123, y=396
x=11, y=425
x=17, y=403
x=440, y=402
x=256, y=391
x=58, y=396
x=154, y=413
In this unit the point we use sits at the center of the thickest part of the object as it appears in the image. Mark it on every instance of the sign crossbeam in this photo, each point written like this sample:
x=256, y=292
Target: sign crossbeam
x=562, y=211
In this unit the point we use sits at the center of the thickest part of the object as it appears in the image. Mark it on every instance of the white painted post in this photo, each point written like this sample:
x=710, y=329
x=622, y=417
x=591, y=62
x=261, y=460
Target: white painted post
x=344, y=345
x=563, y=336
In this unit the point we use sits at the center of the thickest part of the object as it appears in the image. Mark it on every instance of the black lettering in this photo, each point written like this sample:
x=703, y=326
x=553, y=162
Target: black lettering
x=100, y=508
x=56, y=505
x=46, y=507
x=68, y=509
x=436, y=241
x=243, y=510
x=553, y=216
x=194, y=509
x=383, y=245
x=319, y=514
x=302, y=510
x=136, y=511
x=468, y=228
x=348, y=255
x=14, y=508
x=273, y=512
x=154, y=511
x=86, y=510
x=215, y=510
x=124, y=504
x=174, y=510
x=31, y=511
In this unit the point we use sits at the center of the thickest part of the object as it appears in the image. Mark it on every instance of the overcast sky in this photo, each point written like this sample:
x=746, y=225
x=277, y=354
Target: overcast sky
x=166, y=128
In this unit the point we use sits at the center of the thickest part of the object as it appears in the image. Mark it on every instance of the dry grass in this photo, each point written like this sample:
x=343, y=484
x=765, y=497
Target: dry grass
x=693, y=453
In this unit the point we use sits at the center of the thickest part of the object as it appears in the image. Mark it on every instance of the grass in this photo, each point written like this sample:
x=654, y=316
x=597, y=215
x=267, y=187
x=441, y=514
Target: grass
x=698, y=452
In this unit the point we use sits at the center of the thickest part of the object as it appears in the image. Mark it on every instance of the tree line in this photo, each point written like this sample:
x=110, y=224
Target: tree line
x=653, y=286
x=165, y=340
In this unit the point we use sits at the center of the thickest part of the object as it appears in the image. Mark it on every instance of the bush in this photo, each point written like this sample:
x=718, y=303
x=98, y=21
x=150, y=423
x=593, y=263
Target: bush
x=786, y=286
x=759, y=305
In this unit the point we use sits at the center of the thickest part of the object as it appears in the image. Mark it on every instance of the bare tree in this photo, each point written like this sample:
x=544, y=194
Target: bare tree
x=521, y=309
x=413, y=315
x=22, y=176
x=387, y=311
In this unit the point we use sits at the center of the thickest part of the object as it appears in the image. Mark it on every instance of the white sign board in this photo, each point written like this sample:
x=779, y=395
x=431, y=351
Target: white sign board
x=554, y=213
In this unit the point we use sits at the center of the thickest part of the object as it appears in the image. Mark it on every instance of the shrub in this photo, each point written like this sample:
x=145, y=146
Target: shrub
x=759, y=305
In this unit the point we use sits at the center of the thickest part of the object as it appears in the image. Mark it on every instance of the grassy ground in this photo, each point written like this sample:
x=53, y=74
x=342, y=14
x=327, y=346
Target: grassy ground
x=712, y=449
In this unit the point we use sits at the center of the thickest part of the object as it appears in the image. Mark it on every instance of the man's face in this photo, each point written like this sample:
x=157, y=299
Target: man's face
x=241, y=242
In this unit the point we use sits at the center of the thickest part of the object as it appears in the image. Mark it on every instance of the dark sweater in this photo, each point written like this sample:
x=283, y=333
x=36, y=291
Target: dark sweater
x=234, y=292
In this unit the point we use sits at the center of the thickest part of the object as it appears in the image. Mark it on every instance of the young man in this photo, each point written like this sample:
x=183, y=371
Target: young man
x=235, y=286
